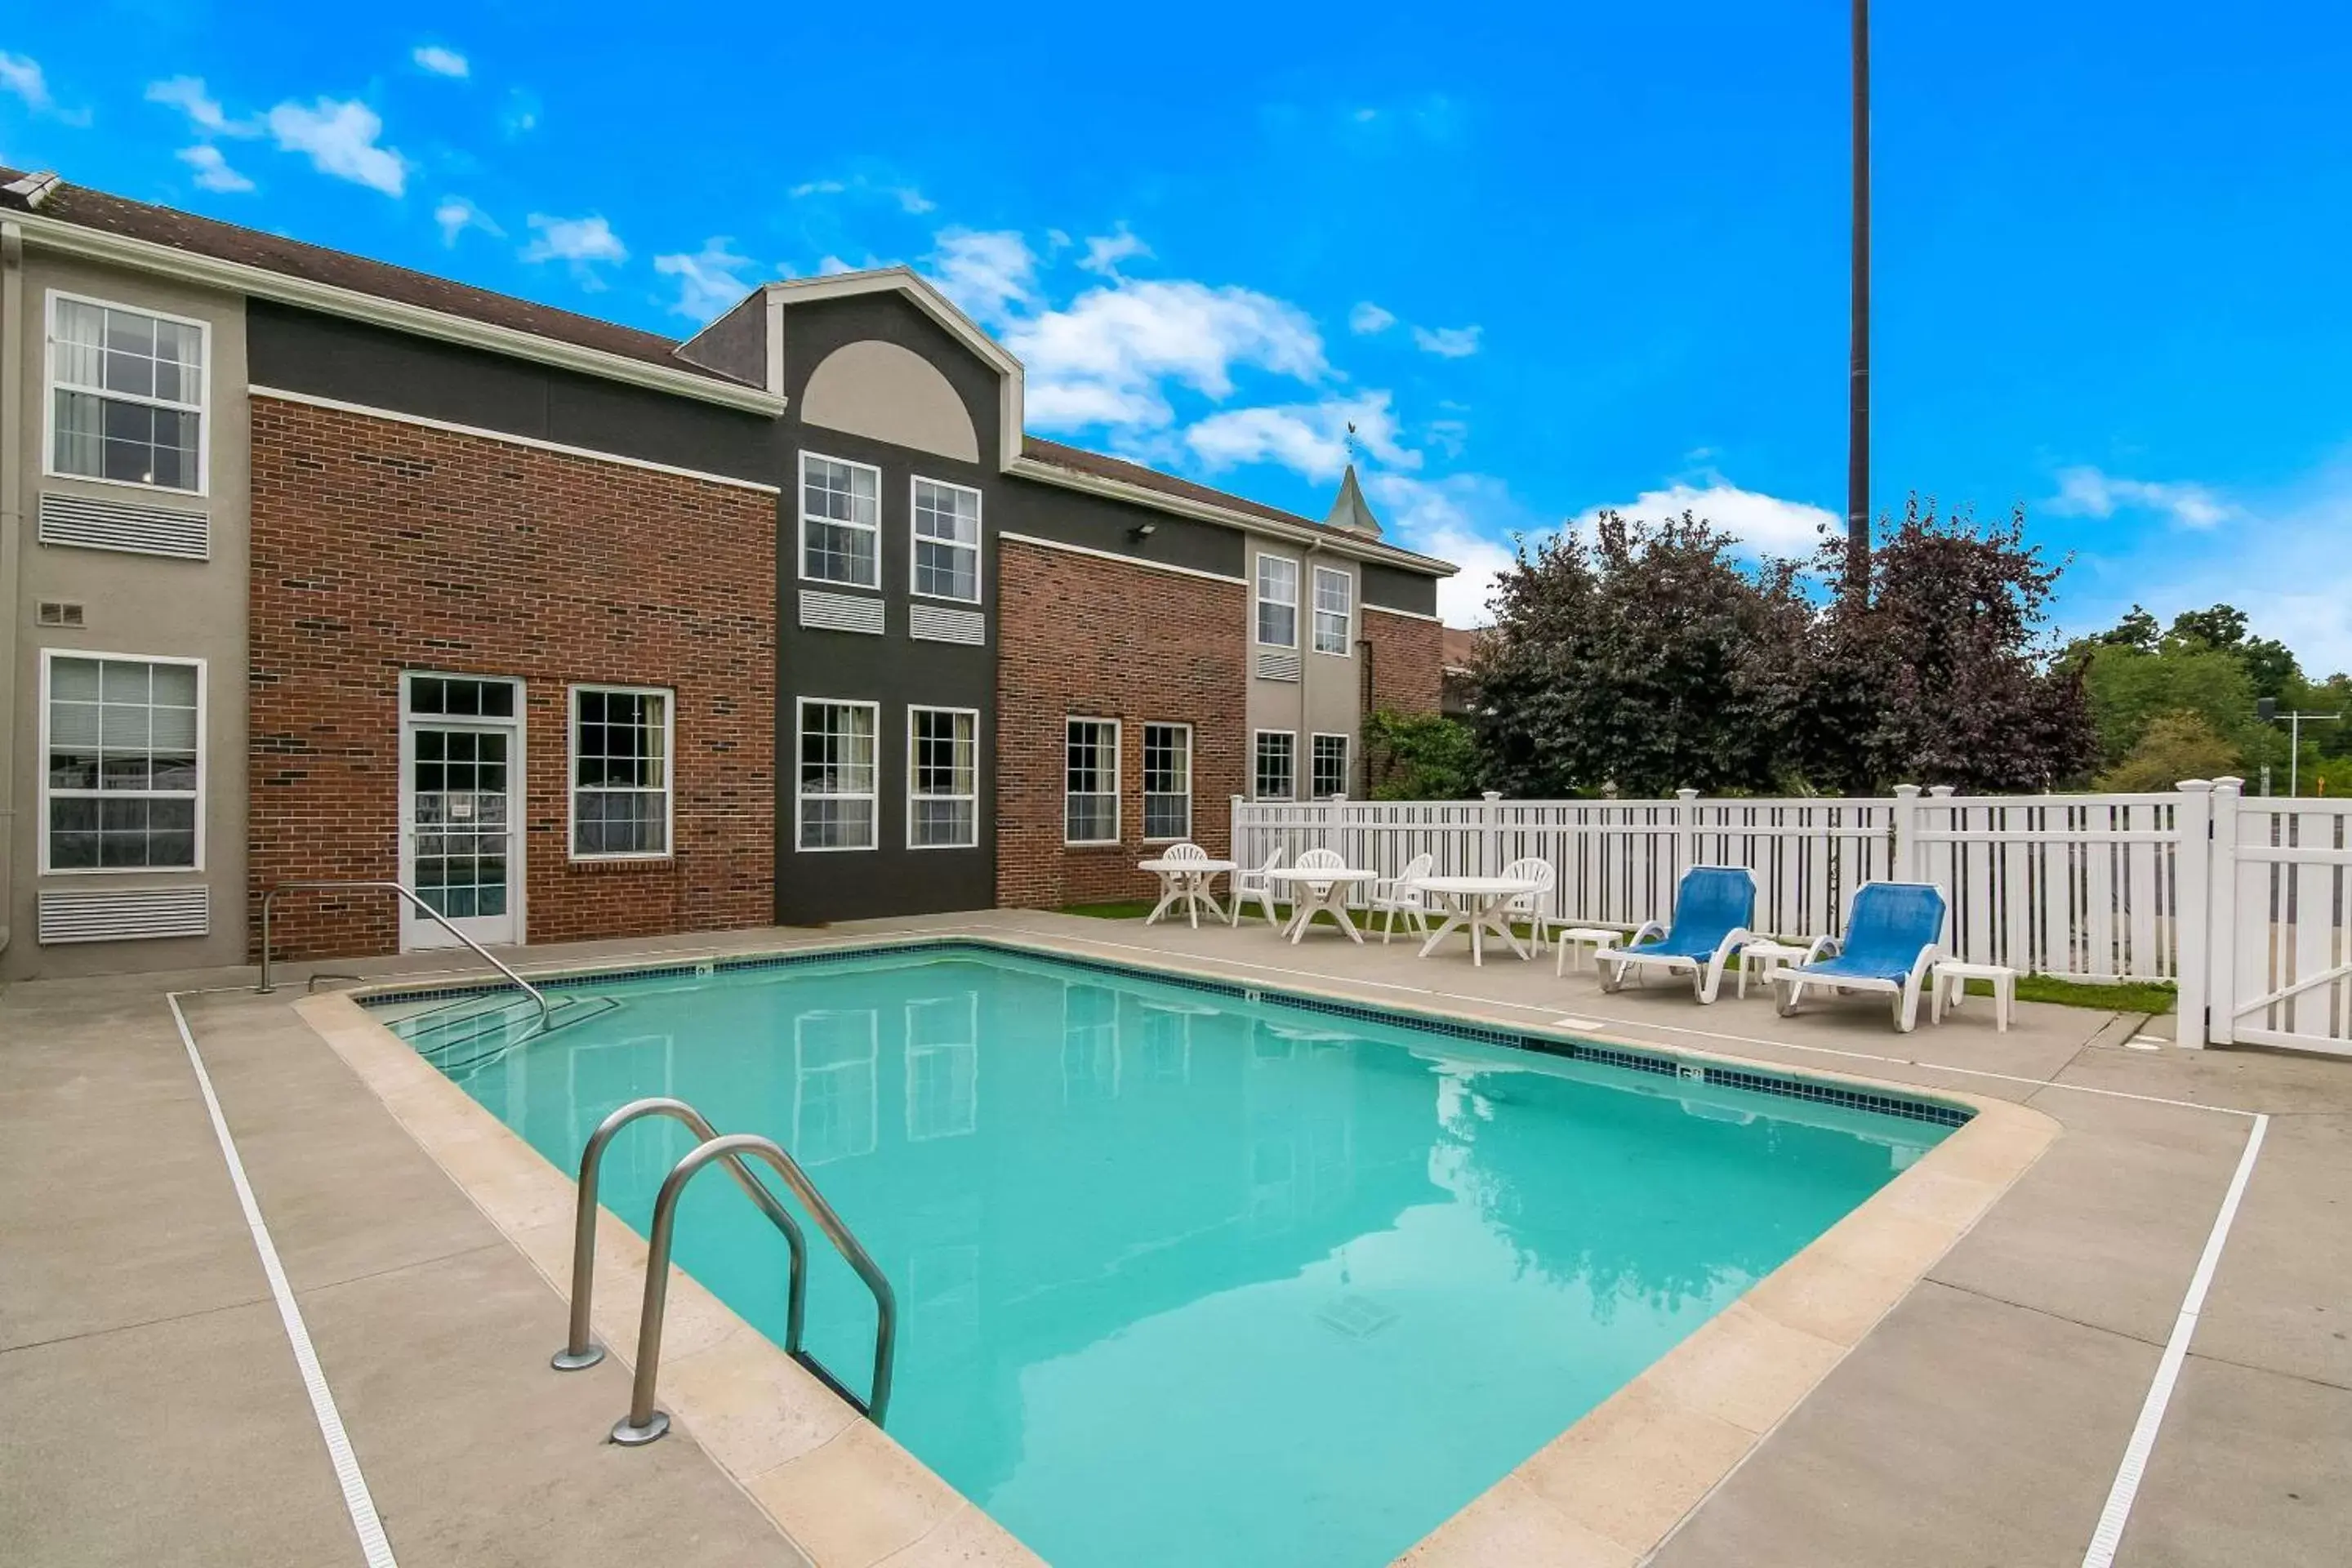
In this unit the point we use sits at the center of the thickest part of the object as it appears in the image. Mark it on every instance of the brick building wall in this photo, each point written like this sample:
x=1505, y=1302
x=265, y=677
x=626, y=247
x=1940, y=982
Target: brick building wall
x=1092, y=638
x=1407, y=663
x=380, y=546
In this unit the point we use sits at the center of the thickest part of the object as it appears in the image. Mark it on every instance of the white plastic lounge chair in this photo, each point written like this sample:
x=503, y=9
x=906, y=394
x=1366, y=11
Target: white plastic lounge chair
x=1402, y=895
x=1253, y=887
x=1712, y=909
x=1890, y=944
x=1534, y=908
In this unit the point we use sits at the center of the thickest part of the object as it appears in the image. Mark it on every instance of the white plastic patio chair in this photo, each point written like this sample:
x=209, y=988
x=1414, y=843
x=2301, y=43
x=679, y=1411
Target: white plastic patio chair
x=1255, y=887
x=1402, y=895
x=1314, y=860
x=1533, y=907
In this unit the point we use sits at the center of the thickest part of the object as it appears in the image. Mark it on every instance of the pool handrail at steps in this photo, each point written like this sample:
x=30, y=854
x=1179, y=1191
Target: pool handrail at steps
x=270, y=899
x=644, y=1424
x=581, y=1350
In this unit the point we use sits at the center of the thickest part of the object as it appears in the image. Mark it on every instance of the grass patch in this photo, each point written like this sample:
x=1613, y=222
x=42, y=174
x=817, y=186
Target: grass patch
x=2151, y=996
x=1136, y=909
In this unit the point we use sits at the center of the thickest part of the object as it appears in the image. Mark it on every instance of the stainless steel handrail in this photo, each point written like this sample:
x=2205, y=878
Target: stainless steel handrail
x=579, y=1350
x=270, y=898
x=644, y=1424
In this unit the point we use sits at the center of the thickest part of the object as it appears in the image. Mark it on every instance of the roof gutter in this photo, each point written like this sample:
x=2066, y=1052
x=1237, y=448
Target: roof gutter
x=1303, y=533
x=97, y=245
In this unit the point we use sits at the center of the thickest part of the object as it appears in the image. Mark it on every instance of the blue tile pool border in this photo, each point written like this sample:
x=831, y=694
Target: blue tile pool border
x=1628, y=1058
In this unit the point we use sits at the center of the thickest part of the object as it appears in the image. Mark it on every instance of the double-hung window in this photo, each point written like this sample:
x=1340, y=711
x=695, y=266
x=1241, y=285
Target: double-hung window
x=1330, y=764
x=1335, y=610
x=620, y=772
x=837, y=770
x=126, y=396
x=1276, y=770
x=1277, y=600
x=841, y=522
x=1166, y=781
x=123, y=785
x=1090, y=781
x=947, y=540
x=942, y=778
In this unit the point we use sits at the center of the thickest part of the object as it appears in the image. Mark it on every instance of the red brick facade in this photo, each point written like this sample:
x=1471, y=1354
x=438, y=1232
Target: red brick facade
x=1091, y=638
x=380, y=546
x=1407, y=668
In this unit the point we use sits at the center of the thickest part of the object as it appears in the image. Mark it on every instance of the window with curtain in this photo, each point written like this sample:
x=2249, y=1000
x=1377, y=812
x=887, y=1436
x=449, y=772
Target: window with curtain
x=947, y=540
x=942, y=778
x=620, y=772
x=127, y=393
x=123, y=781
x=1166, y=781
x=836, y=774
x=1277, y=602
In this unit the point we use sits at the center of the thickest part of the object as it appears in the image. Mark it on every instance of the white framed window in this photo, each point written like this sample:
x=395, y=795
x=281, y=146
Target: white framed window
x=834, y=806
x=1090, y=781
x=127, y=393
x=622, y=804
x=1335, y=612
x=841, y=522
x=1328, y=767
x=942, y=778
x=122, y=776
x=1275, y=774
x=947, y=540
x=1277, y=602
x=1167, y=782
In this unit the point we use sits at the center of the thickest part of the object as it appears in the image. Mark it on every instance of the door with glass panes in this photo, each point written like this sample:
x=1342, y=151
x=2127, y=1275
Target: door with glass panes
x=461, y=807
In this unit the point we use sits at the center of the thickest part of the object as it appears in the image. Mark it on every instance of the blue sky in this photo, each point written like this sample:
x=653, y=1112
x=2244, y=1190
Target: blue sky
x=1547, y=258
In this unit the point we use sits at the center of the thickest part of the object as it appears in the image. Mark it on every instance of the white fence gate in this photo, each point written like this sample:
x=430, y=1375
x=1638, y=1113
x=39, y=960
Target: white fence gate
x=2246, y=906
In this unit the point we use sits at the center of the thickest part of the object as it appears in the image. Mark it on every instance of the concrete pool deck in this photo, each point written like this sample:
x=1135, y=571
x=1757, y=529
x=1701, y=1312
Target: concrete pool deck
x=1983, y=1420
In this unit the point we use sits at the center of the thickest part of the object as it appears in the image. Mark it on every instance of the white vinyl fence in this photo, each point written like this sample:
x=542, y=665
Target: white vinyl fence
x=2246, y=905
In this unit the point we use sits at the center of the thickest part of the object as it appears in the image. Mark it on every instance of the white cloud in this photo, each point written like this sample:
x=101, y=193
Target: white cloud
x=1764, y=525
x=581, y=242
x=455, y=215
x=1367, y=318
x=707, y=281
x=1308, y=438
x=911, y=200
x=522, y=116
x=339, y=135
x=187, y=94
x=1456, y=519
x=22, y=75
x=2086, y=491
x=816, y=188
x=1106, y=252
x=1448, y=435
x=213, y=171
x=1105, y=355
x=1448, y=343
x=440, y=61
x=985, y=271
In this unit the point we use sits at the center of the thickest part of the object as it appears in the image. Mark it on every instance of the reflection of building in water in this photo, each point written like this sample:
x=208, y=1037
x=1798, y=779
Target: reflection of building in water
x=1089, y=1044
x=942, y=1067
x=834, y=1090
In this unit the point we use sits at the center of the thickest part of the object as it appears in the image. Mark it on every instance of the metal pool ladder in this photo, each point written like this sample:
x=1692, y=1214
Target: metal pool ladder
x=270, y=899
x=643, y=1423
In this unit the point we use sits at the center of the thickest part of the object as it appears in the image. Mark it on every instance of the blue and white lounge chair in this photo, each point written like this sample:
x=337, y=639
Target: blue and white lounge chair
x=1712, y=909
x=1891, y=943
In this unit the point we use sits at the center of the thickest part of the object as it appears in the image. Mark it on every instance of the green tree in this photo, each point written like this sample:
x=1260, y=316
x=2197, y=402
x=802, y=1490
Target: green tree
x=1421, y=756
x=2181, y=745
x=2129, y=687
x=1643, y=657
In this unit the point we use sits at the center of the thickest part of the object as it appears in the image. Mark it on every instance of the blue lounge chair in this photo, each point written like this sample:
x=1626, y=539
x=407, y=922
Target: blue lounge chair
x=1893, y=937
x=1712, y=909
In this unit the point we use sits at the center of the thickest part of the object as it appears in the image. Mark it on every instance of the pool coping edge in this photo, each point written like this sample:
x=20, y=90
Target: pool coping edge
x=1604, y=1493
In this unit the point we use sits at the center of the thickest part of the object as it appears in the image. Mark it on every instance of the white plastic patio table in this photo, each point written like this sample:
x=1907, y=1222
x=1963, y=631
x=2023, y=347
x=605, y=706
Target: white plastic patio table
x=1320, y=889
x=1185, y=882
x=1480, y=908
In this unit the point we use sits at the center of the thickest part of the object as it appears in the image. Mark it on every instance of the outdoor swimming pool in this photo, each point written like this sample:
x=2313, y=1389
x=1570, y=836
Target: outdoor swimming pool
x=1191, y=1275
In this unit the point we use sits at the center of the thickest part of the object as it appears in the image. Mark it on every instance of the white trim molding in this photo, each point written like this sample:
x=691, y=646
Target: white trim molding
x=533, y=442
x=1408, y=615
x=261, y=282
x=1148, y=565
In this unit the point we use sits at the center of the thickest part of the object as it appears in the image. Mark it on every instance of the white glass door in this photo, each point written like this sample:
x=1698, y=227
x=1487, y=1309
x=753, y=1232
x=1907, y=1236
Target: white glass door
x=461, y=809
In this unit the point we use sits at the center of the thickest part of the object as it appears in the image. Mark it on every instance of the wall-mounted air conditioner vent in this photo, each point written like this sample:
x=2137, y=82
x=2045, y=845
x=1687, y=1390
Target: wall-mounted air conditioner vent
x=933, y=623
x=841, y=613
x=59, y=613
x=88, y=524
x=1278, y=666
x=123, y=914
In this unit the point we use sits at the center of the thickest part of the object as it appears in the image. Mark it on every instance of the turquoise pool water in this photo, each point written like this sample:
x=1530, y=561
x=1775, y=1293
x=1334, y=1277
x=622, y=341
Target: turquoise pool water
x=1186, y=1279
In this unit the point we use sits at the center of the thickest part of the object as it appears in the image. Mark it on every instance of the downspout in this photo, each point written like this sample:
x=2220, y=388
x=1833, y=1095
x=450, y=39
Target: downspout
x=12, y=518
x=1364, y=688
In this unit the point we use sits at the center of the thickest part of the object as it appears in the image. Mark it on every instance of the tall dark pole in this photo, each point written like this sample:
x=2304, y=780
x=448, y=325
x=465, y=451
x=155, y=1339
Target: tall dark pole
x=1857, y=469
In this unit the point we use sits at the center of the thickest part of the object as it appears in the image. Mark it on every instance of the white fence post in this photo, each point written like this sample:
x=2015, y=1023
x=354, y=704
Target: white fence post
x=1685, y=832
x=1906, y=860
x=2194, y=908
x=1241, y=842
x=2221, y=1021
x=1490, y=838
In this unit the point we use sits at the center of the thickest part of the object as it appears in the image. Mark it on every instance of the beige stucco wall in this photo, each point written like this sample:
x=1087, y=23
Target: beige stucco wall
x=1327, y=698
x=134, y=605
x=891, y=394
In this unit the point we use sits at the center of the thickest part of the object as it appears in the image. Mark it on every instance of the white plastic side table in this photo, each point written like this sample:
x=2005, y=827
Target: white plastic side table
x=1951, y=984
x=1764, y=960
x=1594, y=937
